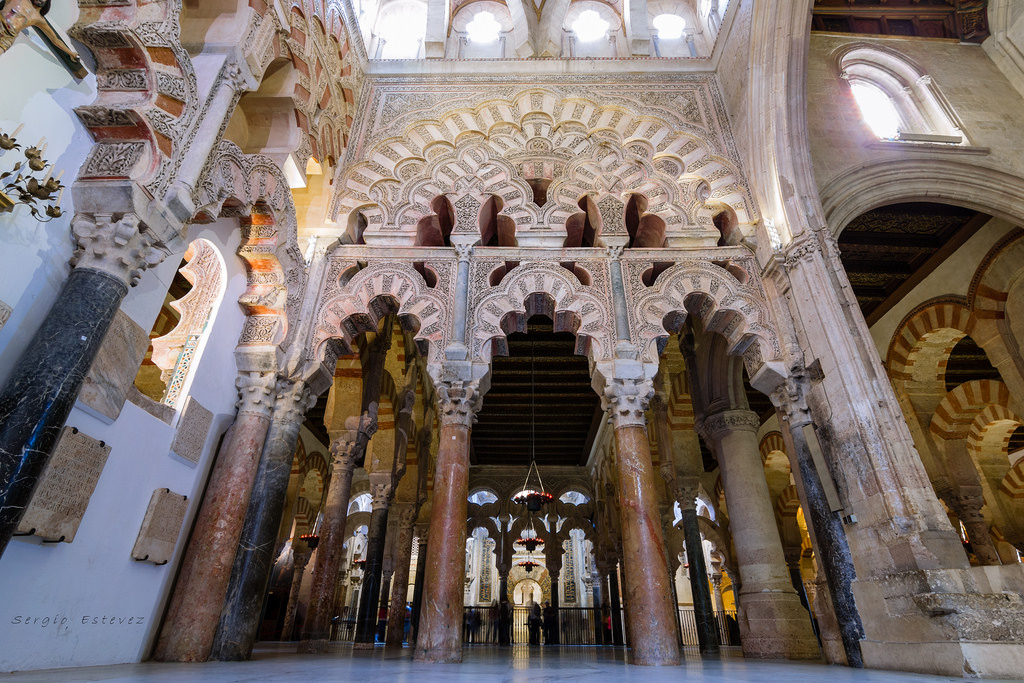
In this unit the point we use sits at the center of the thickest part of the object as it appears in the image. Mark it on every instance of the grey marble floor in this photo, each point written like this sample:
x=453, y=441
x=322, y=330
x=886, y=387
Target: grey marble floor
x=276, y=663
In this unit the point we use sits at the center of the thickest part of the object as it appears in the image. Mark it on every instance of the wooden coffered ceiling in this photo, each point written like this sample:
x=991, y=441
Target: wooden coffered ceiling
x=541, y=382
x=964, y=20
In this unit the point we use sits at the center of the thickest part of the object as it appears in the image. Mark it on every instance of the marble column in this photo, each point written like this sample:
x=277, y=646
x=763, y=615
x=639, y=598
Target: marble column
x=440, y=636
x=772, y=621
x=967, y=507
x=599, y=607
x=703, y=608
x=825, y=527
x=45, y=380
x=191, y=622
x=613, y=593
x=421, y=572
x=299, y=562
x=648, y=592
x=555, y=572
x=369, y=597
x=346, y=452
x=254, y=561
x=406, y=513
x=716, y=582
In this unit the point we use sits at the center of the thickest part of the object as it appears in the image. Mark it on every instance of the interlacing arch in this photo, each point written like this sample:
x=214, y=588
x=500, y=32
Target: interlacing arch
x=373, y=292
x=957, y=411
x=712, y=292
x=924, y=339
x=548, y=288
x=571, y=142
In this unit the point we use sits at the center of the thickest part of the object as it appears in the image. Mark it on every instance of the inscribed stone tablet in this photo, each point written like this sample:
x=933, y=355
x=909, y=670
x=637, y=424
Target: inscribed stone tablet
x=160, y=527
x=192, y=430
x=64, y=489
x=5, y=313
x=113, y=371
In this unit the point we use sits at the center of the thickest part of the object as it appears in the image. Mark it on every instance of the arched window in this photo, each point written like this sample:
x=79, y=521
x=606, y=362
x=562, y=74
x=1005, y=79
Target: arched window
x=896, y=98
x=164, y=375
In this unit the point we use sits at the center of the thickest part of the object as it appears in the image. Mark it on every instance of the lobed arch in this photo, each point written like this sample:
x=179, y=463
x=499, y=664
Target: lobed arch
x=253, y=189
x=544, y=124
x=541, y=287
x=359, y=303
x=724, y=305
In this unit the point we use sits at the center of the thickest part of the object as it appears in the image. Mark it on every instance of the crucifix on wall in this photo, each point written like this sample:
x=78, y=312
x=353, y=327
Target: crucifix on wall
x=17, y=15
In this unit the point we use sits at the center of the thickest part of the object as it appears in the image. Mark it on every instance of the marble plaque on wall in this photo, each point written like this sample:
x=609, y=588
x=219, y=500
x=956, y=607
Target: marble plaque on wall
x=160, y=527
x=5, y=313
x=65, y=487
x=193, y=427
x=113, y=371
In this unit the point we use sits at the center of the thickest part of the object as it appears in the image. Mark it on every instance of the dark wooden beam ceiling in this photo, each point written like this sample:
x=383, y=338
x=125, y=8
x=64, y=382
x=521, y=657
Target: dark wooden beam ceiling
x=963, y=20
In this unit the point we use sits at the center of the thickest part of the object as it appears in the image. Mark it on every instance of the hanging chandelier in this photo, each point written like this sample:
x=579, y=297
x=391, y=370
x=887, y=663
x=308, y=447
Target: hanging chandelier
x=533, y=497
x=530, y=542
x=312, y=540
x=528, y=565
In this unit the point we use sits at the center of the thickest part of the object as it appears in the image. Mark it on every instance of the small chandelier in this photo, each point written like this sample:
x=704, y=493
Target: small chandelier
x=312, y=540
x=24, y=184
x=528, y=565
x=530, y=542
x=533, y=497
x=360, y=563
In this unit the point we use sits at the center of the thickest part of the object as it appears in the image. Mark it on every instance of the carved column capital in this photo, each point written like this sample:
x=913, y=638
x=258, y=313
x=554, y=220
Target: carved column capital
x=627, y=400
x=615, y=251
x=381, y=491
x=790, y=398
x=458, y=403
x=256, y=393
x=727, y=421
x=349, y=448
x=121, y=247
x=463, y=252
x=406, y=514
x=293, y=399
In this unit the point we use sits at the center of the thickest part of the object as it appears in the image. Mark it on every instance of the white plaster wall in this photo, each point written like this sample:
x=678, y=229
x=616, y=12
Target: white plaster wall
x=60, y=589
x=40, y=93
x=985, y=101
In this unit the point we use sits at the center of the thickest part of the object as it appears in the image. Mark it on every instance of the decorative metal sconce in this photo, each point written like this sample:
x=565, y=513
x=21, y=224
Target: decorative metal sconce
x=22, y=184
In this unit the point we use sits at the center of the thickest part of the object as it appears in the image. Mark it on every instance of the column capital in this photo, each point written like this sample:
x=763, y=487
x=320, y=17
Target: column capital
x=728, y=421
x=458, y=402
x=381, y=490
x=121, y=247
x=790, y=398
x=293, y=399
x=350, y=447
x=256, y=393
x=627, y=400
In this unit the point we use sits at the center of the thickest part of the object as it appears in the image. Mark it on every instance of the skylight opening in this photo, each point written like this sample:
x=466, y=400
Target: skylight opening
x=589, y=26
x=402, y=32
x=483, y=29
x=877, y=110
x=670, y=26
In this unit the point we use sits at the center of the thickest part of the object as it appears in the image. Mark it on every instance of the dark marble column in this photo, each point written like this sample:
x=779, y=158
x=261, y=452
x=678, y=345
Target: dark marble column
x=301, y=559
x=440, y=636
x=596, y=593
x=406, y=514
x=703, y=608
x=347, y=451
x=250, y=575
x=369, y=597
x=831, y=547
x=651, y=617
x=45, y=380
x=613, y=592
x=417, y=590
x=555, y=571
x=191, y=622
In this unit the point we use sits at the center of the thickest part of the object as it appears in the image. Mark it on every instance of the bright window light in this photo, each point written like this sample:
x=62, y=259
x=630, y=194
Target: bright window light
x=589, y=26
x=670, y=26
x=402, y=33
x=484, y=28
x=877, y=109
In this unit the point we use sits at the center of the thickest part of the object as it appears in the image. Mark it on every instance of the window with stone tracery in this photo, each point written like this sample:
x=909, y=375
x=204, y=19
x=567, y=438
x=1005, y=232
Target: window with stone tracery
x=180, y=330
x=896, y=99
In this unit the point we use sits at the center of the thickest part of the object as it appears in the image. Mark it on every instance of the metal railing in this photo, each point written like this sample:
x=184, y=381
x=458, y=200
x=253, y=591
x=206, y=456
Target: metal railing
x=571, y=626
x=728, y=628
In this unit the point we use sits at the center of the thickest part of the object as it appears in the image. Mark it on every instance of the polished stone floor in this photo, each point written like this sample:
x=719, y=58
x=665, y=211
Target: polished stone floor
x=277, y=663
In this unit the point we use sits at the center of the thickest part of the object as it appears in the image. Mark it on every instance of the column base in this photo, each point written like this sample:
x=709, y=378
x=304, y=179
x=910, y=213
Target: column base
x=945, y=622
x=438, y=656
x=363, y=646
x=313, y=647
x=652, y=657
x=776, y=626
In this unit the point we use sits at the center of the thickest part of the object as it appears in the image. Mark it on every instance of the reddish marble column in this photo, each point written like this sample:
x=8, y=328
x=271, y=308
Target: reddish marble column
x=406, y=514
x=647, y=587
x=772, y=621
x=440, y=633
x=347, y=452
x=191, y=623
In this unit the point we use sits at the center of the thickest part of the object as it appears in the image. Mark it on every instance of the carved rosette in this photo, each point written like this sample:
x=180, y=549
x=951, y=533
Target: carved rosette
x=728, y=421
x=121, y=247
x=256, y=393
x=458, y=403
x=627, y=400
